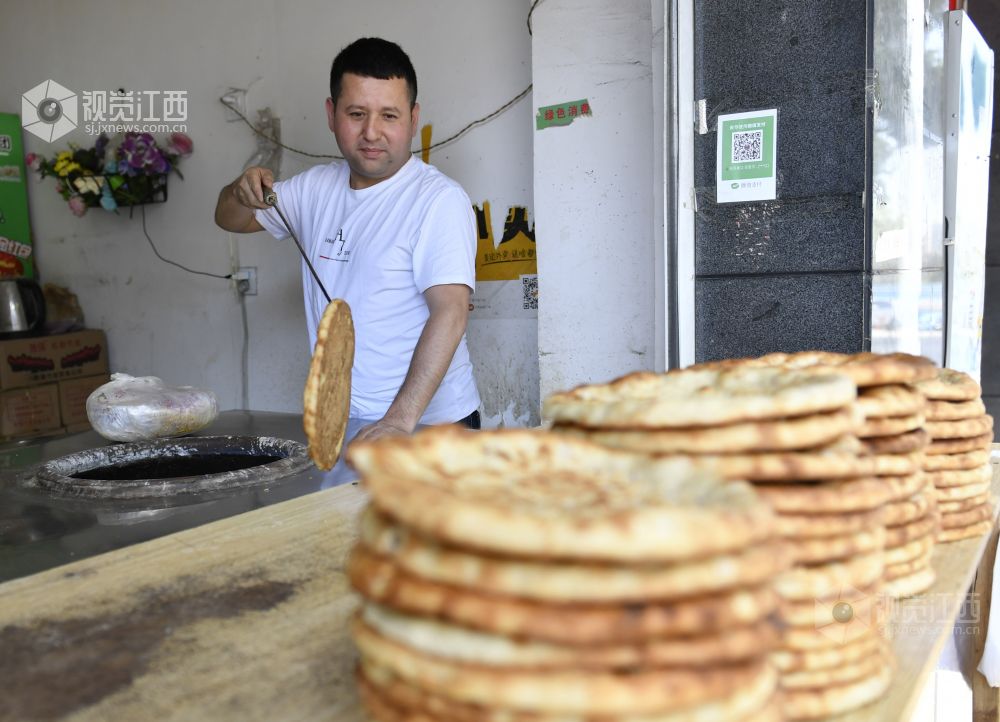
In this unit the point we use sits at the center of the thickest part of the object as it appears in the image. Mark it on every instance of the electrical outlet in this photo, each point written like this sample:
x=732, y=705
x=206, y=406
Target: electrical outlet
x=246, y=280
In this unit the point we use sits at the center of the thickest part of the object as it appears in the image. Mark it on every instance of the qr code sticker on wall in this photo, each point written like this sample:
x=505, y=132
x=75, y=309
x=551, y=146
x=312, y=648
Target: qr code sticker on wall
x=529, y=286
x=748, y=146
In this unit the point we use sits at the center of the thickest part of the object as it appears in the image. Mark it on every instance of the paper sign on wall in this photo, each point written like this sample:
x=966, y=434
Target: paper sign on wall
x=562, y=114
x=506, y=273
x=746, y=156
x=514, y=256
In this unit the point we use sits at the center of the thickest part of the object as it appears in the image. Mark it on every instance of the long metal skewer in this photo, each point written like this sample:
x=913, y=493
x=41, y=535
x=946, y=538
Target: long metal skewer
x=271, y=198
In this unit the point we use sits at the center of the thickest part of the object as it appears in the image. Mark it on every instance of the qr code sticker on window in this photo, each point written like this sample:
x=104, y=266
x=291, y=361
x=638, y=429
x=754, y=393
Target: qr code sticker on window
x=748, y=146
x=529, y=286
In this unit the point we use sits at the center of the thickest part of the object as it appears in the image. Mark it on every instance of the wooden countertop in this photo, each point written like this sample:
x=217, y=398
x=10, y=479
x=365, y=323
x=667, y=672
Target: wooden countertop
x=245, y=618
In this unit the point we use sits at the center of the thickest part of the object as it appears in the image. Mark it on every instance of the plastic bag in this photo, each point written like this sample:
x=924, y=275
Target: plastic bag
x=136, y=408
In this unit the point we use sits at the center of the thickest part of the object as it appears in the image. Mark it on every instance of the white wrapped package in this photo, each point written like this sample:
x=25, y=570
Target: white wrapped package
x=137, y=408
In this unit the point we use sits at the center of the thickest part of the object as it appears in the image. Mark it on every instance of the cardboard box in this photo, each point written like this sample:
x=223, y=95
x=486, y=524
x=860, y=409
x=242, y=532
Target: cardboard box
x=73, y=398
x=43, y=359
x=45, y=434
x=25, y=412
x=78, y=428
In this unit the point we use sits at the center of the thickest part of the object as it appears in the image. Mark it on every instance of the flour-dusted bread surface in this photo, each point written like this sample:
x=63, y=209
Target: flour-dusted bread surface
x=700, y=397
x=543, y=494
x=866, y=369
x=950, y=385
x=788, y=434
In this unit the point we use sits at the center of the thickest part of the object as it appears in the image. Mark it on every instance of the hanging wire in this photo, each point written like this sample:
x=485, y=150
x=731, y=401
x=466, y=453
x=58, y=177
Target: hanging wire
x=245, y=355
x=449, y=139
x=439, y=144
x=533, y=6
x=174, y=263
x=272, y=139
x=480, y=121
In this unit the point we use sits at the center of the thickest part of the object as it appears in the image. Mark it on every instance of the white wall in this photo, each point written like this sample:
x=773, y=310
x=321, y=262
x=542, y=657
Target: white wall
x=596, y=187
x=471, y=57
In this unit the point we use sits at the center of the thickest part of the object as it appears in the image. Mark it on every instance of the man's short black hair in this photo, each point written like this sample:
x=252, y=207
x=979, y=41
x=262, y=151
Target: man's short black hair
x=373, y=58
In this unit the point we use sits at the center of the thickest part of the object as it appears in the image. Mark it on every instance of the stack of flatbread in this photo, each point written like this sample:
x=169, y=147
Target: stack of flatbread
x=892, y=446
x=793, y=434
x=519, y=575
x=957, y=462
x=893, y=440
x=893, y=435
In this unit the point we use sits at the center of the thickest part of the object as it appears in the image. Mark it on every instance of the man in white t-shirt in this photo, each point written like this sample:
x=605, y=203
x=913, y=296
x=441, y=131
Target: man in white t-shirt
x=389, y=234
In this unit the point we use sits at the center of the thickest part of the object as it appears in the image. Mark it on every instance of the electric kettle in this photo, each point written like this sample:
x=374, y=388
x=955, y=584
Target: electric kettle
x=22, y=307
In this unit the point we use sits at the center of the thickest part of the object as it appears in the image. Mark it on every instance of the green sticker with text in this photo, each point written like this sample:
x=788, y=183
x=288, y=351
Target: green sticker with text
x=562, y=114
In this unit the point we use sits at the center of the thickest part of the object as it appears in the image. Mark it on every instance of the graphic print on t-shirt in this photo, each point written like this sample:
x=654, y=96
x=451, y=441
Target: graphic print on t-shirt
x=337, y=252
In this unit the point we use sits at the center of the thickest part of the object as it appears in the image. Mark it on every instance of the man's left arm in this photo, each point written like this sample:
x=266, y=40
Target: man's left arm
x=449, y=313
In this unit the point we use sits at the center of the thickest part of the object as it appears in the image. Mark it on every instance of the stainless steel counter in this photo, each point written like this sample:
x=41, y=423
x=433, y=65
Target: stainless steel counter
x=40, y=530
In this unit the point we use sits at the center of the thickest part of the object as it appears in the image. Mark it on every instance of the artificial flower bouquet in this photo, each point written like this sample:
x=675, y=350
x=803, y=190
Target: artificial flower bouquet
x=128, y=170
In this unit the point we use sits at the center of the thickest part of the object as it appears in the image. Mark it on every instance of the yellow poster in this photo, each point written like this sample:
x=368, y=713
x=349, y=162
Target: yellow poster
x=514, y=256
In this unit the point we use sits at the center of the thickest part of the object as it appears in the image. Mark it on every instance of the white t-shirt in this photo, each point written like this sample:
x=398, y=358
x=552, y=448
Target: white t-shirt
x=379, y=249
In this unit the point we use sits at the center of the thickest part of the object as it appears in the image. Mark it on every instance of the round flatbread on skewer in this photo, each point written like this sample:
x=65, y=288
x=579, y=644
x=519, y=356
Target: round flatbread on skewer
x=327, y=397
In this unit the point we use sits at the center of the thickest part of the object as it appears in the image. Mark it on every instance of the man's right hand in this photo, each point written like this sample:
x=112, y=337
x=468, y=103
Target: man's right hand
x=235, y=209
x=249, y=188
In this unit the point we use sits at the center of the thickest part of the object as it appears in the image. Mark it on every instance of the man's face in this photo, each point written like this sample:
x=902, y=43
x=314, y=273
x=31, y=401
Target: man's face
x=373, y=124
